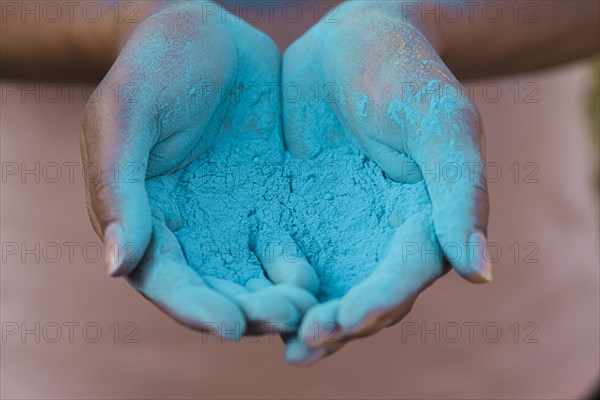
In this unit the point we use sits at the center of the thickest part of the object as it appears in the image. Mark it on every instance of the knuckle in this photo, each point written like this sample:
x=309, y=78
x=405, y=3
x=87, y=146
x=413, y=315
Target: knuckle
x=101, y=195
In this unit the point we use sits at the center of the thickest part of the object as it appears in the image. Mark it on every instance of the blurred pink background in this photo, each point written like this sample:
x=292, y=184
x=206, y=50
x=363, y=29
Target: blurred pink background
x=558, y=296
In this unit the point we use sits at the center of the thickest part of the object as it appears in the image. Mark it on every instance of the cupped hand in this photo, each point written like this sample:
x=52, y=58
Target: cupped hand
x=176, y=89
x=373, y=79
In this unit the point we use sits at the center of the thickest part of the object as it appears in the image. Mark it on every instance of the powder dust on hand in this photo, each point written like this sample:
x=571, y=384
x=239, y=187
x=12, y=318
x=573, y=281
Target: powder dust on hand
x=237, y=203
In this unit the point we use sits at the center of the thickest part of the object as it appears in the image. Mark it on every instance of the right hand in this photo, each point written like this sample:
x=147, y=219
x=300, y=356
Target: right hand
x=173, y=77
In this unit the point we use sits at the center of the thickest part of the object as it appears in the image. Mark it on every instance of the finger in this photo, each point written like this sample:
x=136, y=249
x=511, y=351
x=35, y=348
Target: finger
x=282, y=259
x=164, y=208
x=397, y=165
x=285, y=263
x=298, y=353
x=264, y=317
x=425, y=113
x=412, y=263
x=269, y=311
x=165, y=279
x=302, y=299
x=278, y=308
x=118, y=206
x=261, y=319
x=450, y=153
x=232, y=290
x=282, y=304
x=256, y=284
x=225, y=287
x=319, y=326
x=273, y=308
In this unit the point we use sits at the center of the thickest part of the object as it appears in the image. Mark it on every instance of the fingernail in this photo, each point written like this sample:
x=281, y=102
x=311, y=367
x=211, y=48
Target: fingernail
x=482, y=268
x=114, y=236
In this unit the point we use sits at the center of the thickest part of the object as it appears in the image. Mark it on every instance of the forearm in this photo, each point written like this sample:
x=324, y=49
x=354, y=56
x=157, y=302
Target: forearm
x=502, y=37
x=74, y=41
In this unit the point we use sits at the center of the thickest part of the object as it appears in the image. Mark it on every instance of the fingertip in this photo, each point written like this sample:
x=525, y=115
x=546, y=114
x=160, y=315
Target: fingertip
x=272, y=309
x=256, y=284
x=486, y=272
x=412, y=262
x=376, y=303
x=295, y=271
x=396, y=165
x=360, y=308
x=474, y=266
x=121, y=214
x=319, y=325
x=304, y=277
x=480, y=262
x=225, y=287
x=126, y=239
x=114, y=241
x=300, y=355
x=301, y=298
x=204, y=309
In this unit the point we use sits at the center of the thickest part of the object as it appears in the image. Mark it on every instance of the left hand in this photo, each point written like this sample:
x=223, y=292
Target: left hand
x=386, y=90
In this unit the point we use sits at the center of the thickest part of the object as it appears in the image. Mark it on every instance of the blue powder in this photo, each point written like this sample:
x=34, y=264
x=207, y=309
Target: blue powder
x=361, y=104
x=235, y=204
x=350, y=211
x=246, y=195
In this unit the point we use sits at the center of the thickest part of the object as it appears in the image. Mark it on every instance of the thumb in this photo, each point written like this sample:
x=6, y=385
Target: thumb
x=115, y=145
x=448, y=146
x=460, y=203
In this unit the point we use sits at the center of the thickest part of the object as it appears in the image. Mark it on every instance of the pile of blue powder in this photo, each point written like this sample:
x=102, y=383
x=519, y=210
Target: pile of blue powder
x=247, y=198
x=234, y=208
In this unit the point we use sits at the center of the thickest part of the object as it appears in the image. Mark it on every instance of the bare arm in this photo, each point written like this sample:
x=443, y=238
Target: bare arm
x=474, y=38
x=483, y=38
x=74, y=41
